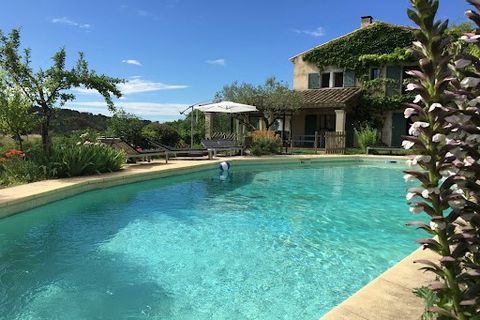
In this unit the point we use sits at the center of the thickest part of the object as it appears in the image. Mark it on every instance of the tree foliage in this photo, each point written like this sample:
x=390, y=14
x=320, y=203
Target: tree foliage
x=16, y=118
x=272, y=99
x=127, y=126
x=50, y=88
x=162, y=133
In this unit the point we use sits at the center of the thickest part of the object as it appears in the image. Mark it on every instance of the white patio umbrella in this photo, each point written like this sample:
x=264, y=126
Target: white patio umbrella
x=226, y=107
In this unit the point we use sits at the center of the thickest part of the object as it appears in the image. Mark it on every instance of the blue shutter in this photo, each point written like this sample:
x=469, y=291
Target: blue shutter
x=349, y=78
x=394, y=73
x=313, y=81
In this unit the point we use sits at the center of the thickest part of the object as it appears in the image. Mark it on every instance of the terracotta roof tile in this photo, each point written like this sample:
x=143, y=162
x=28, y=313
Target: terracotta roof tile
x=331, y=97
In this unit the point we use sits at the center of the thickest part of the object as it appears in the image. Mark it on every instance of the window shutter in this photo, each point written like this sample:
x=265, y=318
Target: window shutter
x=349, y=78
x=313, y=80
x=394, y=73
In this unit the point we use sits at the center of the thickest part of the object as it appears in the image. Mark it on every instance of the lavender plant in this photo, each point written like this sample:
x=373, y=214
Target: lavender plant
x=445, y=135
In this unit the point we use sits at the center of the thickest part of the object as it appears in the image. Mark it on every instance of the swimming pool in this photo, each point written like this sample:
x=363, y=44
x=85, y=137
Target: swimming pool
x=266, y=242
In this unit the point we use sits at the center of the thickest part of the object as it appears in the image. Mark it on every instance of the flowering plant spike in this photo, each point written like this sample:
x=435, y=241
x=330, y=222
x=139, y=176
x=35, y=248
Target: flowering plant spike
x=445, y=135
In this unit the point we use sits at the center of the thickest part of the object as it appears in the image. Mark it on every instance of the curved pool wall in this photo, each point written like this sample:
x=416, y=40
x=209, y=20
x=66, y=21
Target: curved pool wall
x=36, y=194
x=243, y=252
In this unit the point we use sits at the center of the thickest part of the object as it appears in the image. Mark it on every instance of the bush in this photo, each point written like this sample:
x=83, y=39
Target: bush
x=127, y=126
x=265, y=142
x=16, y=169
x=71, y=160
x=162, y=133
x=366, y=136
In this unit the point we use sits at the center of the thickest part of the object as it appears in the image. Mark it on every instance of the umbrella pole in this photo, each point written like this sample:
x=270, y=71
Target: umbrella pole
x=191, y=129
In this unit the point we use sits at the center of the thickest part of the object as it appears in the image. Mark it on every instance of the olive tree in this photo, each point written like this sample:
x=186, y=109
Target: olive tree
x=16, y=117
x=272, y=99
x=50, y=88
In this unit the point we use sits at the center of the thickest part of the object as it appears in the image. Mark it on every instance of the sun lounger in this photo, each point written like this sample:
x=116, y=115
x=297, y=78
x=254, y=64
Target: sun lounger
x=217, y=145
x=132, y=152
x=182, y=152
x=390, y=150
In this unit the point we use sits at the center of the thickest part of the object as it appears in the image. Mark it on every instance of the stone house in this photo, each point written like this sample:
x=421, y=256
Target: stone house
x=333, y=92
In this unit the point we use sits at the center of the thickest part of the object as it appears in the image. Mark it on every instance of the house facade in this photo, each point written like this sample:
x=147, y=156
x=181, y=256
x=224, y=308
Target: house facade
x=333, y=93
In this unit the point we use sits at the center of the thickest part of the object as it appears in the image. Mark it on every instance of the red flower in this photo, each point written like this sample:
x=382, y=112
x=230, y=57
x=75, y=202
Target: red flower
x=14, y=152
x=3, y=159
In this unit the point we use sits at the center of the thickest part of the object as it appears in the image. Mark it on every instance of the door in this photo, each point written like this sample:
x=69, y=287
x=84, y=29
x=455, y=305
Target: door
x=399, y=129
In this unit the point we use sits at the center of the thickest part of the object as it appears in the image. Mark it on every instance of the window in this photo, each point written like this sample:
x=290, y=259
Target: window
x=338, y=79
x=326, y=80
x=349, y=79
x=374, y=73
x=394, y=74
x=313, y=81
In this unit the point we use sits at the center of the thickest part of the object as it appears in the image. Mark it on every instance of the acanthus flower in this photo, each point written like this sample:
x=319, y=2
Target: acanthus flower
x=435, y=106
x=409, y=112
x=470, y=82
x=407, y=144
x=470, y=37
x=416, y=127
x=439, y=138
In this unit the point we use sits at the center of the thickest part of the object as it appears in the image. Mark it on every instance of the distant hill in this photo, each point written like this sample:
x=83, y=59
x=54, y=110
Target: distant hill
x=66, y=120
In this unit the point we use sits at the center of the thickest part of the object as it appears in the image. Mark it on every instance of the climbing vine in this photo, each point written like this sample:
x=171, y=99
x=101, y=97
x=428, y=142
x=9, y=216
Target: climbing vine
x=379, y=43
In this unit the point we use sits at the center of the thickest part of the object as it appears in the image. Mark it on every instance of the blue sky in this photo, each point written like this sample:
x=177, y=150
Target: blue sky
x=178, y=52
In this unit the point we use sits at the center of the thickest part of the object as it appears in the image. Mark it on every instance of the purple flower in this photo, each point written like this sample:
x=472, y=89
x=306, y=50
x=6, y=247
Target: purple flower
x=470, y=37
x=470, y=82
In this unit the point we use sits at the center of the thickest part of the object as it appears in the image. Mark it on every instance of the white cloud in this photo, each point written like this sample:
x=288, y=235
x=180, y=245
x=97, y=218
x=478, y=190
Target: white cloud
x=69, y=22
x=132, y=61
x=318, y=32
x=137, y=85
x=218, y=62
x=147, y=110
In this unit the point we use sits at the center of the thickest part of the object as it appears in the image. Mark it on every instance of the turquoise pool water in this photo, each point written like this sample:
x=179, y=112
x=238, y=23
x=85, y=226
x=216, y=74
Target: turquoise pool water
x=268, y=242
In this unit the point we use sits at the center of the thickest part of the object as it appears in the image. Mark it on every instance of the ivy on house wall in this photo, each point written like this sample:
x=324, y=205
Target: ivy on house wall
x=378, y=43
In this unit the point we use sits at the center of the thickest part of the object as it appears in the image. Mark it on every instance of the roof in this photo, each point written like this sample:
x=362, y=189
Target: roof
x=331, y=97
x=352, y=32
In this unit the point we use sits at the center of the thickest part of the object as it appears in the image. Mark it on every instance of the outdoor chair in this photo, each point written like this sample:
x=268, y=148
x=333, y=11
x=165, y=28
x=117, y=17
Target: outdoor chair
x=132, y=152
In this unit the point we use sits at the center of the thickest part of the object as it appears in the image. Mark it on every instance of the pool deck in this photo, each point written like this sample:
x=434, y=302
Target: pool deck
x=388, y=297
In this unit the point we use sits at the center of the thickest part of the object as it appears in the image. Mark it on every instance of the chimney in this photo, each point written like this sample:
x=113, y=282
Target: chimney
x=366, y=21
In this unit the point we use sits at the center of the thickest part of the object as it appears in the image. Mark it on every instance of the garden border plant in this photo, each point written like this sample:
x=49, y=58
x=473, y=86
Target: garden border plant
x=446, y=138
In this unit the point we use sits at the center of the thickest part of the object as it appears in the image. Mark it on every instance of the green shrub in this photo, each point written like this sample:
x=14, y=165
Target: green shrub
x=265, y=142
x=15, y=169
x=127, y=126
x=366, y=136
x=71, y=160
x=162, y=133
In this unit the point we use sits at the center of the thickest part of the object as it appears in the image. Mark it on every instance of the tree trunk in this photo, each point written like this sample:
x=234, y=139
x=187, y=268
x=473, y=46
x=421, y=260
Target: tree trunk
x=44, y=128
x=18, y=137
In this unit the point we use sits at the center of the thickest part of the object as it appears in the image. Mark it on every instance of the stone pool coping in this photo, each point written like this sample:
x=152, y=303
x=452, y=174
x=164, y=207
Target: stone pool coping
x=387, y=297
